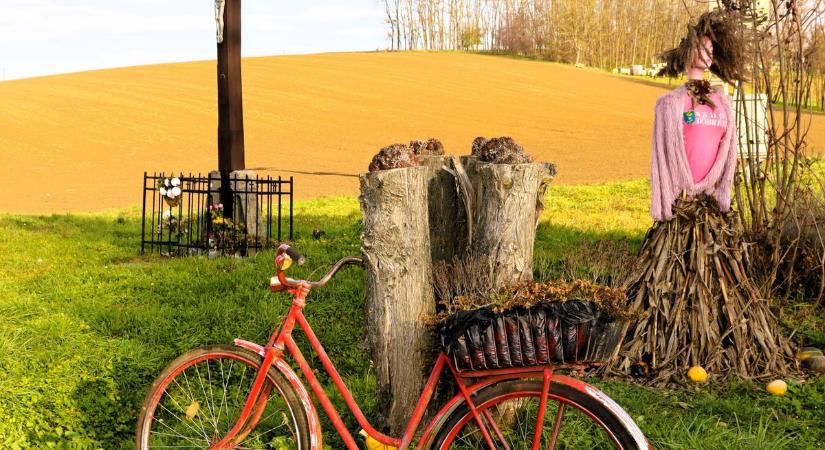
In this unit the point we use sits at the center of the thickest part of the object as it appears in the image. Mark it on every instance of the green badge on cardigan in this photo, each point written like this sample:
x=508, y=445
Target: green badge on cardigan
x=689, y=117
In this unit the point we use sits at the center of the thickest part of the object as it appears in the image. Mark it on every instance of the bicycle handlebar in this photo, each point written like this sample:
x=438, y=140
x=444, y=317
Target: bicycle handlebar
x=347, y=260
x=296, y=256
x=281, y=281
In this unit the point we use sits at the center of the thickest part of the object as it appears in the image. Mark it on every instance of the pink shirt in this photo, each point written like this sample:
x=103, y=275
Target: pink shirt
x=703, y=136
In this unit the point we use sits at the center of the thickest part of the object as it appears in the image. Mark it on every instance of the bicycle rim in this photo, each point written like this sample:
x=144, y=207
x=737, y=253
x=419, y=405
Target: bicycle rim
x=199, y=397
x=509, y=411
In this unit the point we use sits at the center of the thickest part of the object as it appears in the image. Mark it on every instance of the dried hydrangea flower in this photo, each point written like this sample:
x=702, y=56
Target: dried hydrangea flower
x=431, y=146
x=434, y=147
x=417, y=146
x=394, y=156
x=478, y=143
x=503, y=150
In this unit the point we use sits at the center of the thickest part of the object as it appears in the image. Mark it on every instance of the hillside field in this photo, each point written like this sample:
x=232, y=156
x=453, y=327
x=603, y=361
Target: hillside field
x=81, y=142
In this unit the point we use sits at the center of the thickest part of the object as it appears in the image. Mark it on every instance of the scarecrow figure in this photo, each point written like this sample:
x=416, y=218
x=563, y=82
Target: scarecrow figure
x=690, y=283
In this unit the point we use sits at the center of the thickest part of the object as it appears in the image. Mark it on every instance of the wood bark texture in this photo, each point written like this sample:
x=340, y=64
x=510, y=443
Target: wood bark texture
x=449, y=233
x=508, y=203
x=396, y=252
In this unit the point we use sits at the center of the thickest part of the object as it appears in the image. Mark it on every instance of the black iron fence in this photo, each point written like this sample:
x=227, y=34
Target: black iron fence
x=195, y=214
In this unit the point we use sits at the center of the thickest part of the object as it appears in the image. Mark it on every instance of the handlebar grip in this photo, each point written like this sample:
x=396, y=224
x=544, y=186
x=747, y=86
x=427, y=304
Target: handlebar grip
x=296, y=256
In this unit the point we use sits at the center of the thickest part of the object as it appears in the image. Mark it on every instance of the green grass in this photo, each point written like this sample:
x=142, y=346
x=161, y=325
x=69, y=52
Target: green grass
x=88, y=323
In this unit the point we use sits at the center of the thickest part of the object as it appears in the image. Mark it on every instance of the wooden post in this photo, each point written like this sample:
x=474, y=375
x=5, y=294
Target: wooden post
x=230, y=94
x=230, y=102
x=399, y=291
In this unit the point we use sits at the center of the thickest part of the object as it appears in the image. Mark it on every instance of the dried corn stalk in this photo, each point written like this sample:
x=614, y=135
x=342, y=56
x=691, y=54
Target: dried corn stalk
x=696, y=303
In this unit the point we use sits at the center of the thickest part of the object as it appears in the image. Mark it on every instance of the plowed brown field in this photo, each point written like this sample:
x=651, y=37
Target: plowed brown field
x=80, y=142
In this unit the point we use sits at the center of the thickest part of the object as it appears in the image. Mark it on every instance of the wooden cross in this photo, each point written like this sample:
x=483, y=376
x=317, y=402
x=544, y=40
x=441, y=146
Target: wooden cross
x=230, y=96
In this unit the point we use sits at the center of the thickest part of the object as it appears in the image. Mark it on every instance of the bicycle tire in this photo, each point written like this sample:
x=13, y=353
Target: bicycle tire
x=513, y=390
x=299, y=427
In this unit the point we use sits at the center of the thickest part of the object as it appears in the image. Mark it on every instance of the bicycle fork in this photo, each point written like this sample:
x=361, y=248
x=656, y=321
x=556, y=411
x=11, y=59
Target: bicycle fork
x=485, y=415
x=258, y=395
x=256, y=401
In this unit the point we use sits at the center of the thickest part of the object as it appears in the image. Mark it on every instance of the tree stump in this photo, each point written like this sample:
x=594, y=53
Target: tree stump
x=396, y=251
x=446, y=208
x=509, y=200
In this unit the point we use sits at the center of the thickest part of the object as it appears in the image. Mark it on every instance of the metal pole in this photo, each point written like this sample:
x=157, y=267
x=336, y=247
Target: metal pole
x=143, y=223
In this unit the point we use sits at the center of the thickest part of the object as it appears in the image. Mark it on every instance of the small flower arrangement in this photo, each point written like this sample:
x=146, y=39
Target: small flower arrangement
x=168, y=222
x=170, y=190
x=172, y=225
x=225, y=234
x=216, y=214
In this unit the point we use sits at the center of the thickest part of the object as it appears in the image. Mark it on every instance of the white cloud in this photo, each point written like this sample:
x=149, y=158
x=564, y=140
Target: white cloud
x=40, y=37
x=267, y=22
x=45, y=20
x=365, y=32
x=338, y=14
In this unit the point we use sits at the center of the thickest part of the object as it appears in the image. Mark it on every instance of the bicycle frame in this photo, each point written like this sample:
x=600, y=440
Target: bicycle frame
x=281, y=340
x=273, y=353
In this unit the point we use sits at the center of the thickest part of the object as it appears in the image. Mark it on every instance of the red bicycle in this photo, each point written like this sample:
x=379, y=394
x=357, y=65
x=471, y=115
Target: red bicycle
x=246, y=396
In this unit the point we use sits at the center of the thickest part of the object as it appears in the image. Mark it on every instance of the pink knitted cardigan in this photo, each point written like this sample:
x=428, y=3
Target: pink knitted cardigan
x=669, y=169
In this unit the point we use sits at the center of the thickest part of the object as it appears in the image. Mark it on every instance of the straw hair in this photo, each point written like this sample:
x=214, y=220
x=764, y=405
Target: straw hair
x=724, y=30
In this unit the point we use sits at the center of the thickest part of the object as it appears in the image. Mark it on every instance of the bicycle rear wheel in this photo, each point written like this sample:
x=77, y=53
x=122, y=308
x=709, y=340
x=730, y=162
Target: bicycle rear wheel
x=198, y=398
x=509, y=409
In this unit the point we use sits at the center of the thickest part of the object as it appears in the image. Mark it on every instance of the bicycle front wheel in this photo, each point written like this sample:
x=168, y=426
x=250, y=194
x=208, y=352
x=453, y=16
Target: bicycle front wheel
x=510, y=409
x=198, y=398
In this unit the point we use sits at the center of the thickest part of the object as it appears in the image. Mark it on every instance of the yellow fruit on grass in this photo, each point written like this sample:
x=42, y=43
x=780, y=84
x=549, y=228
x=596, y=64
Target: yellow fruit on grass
x=807, y=353
x=777, y=387
x=815, y=363
x=372, y=444
x=697, y=374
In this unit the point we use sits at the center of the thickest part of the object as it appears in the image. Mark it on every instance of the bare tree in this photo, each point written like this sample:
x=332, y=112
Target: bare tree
x=392, y=21
x=776, y=183
x=600, y=33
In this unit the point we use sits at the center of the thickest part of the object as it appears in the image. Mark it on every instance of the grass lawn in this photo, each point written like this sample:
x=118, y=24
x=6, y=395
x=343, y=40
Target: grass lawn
x=88, y=323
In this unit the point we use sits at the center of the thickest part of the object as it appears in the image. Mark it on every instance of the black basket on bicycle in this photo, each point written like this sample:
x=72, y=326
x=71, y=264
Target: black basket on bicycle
x=554, y=333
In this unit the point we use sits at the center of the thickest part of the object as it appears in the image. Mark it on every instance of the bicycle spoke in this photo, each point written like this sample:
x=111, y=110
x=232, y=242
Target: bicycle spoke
x=556, y=426
x=206, y=399
x=192, y=400
x=203, y=431
x=496, y=429
x=175, y=446
x=243, y=377
x=224, y=381
x=183, y=410
x=519, y=425
x=523, y=422
x=276, y=427
x=206, y=439
x=211, y=395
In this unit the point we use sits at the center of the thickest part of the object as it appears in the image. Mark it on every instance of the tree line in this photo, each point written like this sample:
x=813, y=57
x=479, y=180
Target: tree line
x=598, y=33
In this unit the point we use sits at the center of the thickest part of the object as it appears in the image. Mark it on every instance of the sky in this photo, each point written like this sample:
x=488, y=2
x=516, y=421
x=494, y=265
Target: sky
x=43, y=37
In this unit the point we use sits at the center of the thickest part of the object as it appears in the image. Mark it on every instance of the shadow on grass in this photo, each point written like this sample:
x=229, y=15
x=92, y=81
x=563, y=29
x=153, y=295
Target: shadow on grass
x=139, y=312
x=115, y=319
